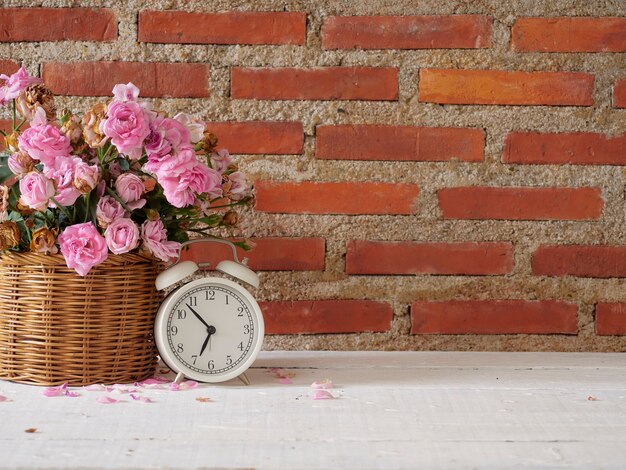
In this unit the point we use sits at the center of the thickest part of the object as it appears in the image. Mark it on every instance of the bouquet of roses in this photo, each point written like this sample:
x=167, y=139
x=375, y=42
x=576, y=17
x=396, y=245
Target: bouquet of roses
x=122, y=177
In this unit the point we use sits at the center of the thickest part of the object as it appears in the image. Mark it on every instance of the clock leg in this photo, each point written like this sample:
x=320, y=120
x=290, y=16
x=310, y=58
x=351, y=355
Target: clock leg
x=244, y=378
x=179, y=377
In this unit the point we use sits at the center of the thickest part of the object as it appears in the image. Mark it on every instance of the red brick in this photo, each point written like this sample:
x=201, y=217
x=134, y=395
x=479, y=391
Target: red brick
x=569, y=34
x=603, y=261
x=611, y=318
x=259, y=137
x=8, y=67
x=233, y=27
x=368, y=142
x=268, y=254
x=382, y=257
x=326, y=316
x=154, y=79
x=406, y=32
x=57, y=24
x=577, y=148
x=619, y=93
x=321, y=83
x=450, y=86
x=336, y=198
x=494, y=317
x=476, y=202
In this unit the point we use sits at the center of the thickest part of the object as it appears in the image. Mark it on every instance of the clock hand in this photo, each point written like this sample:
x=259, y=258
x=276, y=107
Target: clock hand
x=198, y=316
x=206, y=341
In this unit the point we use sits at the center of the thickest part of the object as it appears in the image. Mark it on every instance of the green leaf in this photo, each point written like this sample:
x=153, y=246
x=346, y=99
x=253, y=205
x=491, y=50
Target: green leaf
x=5, y=172
x=243, y=245
x=123, y=163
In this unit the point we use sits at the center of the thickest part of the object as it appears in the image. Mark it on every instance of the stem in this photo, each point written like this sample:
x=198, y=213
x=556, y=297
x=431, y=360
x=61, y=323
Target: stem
x=87, y=214
x=118, y=199
x=14, y=116
x=62, y=209
x=20, y=124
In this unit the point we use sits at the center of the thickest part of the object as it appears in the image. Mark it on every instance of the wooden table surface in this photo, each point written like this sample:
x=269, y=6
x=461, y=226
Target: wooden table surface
x=392, y=410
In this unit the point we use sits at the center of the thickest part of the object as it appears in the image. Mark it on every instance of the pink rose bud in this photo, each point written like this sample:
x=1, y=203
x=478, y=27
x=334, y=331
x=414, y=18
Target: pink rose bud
x=127, y=125
x=36, y=190
x=83, y=247
x=15, y=84
x=108, y=210
x=20, y=163
x=130, y=188
x=86, y=177
x=154, y=238
x=122, y=236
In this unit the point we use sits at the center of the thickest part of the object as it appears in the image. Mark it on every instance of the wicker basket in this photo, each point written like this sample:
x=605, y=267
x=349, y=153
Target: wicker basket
x=57, y=327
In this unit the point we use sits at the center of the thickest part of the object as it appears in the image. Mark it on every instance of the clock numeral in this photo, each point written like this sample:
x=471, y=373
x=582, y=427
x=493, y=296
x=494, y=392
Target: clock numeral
x=240, y=311
x=246, y=329
x=193, y=301
x=174, y=330
x=211, y=365
x=195, y=358
x=229, y=360
x=179, y=347
x=181, y=314
x=240, y=347
x=210, y=294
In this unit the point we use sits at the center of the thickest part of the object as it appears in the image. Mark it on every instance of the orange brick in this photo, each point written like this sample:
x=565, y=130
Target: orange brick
x=259, y=137
x=495, y=317
x=233, y=27
x=321, y=83
x=602, y=261
x=326, y=316
x=154, y=79
x=382, y=257
x=57, y=24
x=336, y=198
x=369, y=142
x=406, y=32
x=577, y=148
x=619, y=93
x=478, y=202
x=451, y=86
x=8, y=67
x=569, y=34
x=611, y=318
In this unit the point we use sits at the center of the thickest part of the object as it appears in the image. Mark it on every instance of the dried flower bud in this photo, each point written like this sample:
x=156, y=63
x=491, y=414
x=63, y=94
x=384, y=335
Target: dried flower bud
x=152, y=214
x=44, y=241
x=86, y=177
x=230, y=218
x=4, y=198
x=72, y=128
x=10, y=142
x=149, y=183
x=33, y=97
x=22, y=208
x=20, y=163
x=209, y=142
x=10, y=235
x=91, y=126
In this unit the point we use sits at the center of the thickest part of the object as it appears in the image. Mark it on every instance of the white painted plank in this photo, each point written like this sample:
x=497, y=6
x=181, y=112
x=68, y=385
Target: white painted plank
x=395, y=410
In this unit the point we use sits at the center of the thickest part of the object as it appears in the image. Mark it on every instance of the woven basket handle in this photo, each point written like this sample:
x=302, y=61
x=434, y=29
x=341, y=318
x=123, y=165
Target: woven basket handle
x=209, y=240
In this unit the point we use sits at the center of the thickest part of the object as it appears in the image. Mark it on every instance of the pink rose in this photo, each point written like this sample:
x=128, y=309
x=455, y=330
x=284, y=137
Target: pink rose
x=108, y=210
x=44, y=143
x=130, y=188
x=122, y=236
x=128, y=92
x=180, y=190
x=61, y=170
x=155, y=241
x=238, y=186
x=127, y=125
x=36, y=190
x=221, y=160
x=15, y=84
x=83, y=247
x=195, y=128
x=20, y=163
x=166, y=136
x=86, y=177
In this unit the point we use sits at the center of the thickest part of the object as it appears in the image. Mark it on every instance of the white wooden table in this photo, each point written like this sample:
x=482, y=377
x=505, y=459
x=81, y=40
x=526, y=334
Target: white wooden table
x=393, y=410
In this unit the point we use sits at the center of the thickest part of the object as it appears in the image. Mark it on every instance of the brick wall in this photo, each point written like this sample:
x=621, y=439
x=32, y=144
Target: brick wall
x=429, y=175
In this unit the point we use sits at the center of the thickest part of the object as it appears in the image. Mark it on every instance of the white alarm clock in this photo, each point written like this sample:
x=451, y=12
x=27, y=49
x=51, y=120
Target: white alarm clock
x=209, y=329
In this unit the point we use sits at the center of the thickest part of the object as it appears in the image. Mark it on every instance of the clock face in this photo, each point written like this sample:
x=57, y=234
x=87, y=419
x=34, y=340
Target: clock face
x=210, y=329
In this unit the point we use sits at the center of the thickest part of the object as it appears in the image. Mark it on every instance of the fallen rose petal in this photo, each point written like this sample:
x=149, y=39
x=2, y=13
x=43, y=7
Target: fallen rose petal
x=186, y=385
x=203, y=399
x=52, y=392
x=154, y=381
x=285, y=380
x=30, y=430
x=95, y=388
x=3, y=398
x=321, y=394
x=141, y=399
x=323, y=384
x=71, y=394
x=591, y=398
x=107, y=400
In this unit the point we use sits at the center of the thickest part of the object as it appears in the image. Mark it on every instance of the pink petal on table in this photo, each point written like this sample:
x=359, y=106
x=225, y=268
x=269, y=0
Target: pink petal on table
x=141, y=399
x=186, y=385
x=323, y=384
x=154, y=381
x=71, y=394
x=321, y=394
x=106, y=400
x=95, y=388
x=285, y=380
x=3, y=398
